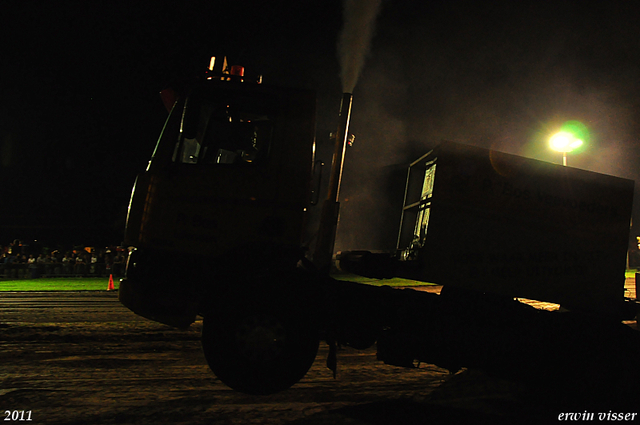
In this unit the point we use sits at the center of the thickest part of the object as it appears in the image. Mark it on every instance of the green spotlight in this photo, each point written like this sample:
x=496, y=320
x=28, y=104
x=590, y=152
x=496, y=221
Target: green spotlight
x=564, y=142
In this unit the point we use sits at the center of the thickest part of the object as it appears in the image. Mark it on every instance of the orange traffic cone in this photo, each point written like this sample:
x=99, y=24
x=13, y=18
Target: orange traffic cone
x=110, y=287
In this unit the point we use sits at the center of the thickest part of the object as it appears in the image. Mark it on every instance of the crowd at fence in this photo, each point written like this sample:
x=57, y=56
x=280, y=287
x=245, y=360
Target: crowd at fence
x=16, y=264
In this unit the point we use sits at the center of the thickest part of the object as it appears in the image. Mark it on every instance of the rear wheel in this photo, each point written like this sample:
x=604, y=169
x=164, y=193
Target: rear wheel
x=260, y=345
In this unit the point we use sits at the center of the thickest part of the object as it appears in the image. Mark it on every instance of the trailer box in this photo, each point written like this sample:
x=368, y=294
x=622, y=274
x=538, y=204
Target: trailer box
x=487, y=221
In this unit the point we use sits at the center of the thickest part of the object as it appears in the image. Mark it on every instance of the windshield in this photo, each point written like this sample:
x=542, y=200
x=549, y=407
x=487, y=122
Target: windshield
x=226, y=128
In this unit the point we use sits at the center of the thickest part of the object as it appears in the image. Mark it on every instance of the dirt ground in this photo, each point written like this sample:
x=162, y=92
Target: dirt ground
x=82, y=358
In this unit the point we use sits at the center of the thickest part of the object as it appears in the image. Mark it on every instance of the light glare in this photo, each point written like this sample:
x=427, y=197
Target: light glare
x=564, y=142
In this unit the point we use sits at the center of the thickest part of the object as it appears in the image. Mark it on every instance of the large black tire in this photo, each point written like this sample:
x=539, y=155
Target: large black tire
x=260, y=344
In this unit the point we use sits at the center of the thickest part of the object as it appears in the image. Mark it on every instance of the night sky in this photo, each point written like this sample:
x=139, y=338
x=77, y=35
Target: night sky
x=81, y=113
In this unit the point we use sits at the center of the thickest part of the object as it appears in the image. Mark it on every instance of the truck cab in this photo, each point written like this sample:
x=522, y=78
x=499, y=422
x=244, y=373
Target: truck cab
x=216, y=224
x=227, y=189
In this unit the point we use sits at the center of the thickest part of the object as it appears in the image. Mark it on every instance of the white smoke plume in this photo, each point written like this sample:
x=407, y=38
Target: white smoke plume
x=355, y=38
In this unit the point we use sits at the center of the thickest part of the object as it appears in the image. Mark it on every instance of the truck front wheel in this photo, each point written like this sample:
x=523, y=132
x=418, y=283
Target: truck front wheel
x=259, y=347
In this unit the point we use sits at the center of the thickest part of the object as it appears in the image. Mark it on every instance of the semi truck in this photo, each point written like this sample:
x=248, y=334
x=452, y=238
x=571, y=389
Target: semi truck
x=218, y=228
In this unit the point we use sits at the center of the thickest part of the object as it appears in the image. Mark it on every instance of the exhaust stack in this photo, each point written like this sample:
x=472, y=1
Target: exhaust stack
x=331, y=207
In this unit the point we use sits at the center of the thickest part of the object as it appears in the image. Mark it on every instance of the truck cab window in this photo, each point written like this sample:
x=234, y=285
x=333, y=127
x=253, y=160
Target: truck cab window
x=225, y=131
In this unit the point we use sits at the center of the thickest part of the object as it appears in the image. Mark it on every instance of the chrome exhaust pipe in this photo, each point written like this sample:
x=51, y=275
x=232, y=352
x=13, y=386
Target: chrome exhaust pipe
x=323, y=253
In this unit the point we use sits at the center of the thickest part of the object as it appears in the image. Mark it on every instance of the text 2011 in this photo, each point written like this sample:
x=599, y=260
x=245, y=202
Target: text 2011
x=17, y=415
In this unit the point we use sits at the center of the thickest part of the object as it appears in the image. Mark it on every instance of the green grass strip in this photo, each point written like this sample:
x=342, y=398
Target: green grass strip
x=59, y=284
